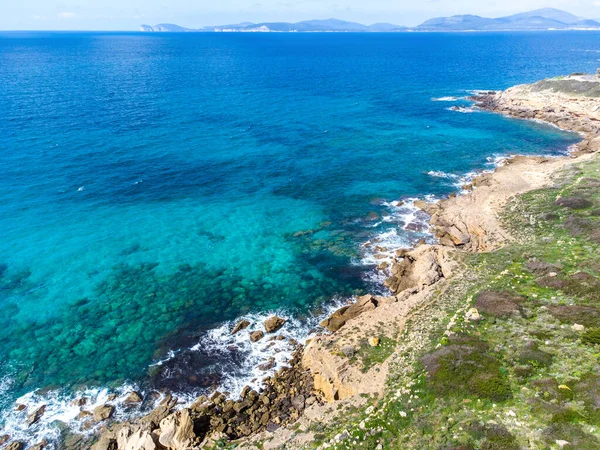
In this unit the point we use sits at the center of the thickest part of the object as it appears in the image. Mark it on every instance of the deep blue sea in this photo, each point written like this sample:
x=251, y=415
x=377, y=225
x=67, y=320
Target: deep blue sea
x=155, y=187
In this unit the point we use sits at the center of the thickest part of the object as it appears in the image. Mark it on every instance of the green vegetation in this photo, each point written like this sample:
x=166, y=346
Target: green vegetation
x=526, y=374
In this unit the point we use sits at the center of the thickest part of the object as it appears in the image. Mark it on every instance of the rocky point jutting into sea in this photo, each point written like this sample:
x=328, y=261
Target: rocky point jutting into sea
x=487, y=336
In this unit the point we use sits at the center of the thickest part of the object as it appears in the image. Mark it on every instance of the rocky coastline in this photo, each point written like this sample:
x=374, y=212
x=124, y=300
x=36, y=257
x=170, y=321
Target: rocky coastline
x=351, y=359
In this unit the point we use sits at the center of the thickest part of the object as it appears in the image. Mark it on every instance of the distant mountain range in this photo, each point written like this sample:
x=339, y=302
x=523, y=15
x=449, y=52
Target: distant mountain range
x=306, y=26
x=541, y=19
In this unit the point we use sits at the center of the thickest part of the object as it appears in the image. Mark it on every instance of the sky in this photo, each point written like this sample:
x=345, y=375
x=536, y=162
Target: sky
x=130, y=14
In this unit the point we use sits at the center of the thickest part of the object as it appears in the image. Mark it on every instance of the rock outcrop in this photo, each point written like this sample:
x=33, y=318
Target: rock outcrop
x=419, y=268
x=281, y=401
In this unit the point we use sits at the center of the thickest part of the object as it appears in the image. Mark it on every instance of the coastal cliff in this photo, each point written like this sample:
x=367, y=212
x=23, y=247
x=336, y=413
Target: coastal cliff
x=487, y=339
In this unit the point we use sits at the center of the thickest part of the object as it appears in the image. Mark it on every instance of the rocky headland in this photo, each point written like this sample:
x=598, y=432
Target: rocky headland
x=488, y=339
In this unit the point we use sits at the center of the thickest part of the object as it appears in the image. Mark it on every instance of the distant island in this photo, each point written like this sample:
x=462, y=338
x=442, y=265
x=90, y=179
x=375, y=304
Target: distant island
x=538, y=20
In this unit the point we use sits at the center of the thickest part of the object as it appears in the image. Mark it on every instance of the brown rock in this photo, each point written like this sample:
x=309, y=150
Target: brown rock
x=4, y=439
x=268, y=365
x=103, y=412
x=273, y=324
x=241, y=325
x=133, y=398
x=256, y=336
x=84, y=415
x=20, y=407
x=15, y=445
x=35, y=416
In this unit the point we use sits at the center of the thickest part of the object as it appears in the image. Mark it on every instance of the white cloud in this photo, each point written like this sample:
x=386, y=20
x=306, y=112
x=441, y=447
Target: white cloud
x=66, y=15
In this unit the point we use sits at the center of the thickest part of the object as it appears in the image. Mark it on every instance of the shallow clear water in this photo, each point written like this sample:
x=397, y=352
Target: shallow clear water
x=153, y=185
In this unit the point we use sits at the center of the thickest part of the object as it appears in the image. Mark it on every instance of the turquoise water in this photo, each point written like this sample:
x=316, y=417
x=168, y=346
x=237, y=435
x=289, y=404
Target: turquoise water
x=154, y=186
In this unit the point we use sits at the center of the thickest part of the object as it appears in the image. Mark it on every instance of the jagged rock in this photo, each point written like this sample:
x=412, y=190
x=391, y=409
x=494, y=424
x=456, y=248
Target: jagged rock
x=35, y=416
x=15, y=445
x=103, y=412
x=342, y=315
x=4, y=439
x=133, y=398
x=128, y=439
x=241, y=325
x=273, y=324
x=256, y=336
x=177, y=431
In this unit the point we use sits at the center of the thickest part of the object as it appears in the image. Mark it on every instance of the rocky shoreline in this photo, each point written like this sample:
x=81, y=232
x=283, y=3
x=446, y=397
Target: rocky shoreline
x=351, y=359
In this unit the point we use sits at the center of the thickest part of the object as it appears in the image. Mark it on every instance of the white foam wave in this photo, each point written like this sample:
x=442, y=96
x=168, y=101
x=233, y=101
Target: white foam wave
x=445, y=99
x=62, y=408
x=272, y=352
x=406, y=223
x=440, y=174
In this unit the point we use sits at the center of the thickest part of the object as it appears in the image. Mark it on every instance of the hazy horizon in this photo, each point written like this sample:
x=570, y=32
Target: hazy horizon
x=128, y=15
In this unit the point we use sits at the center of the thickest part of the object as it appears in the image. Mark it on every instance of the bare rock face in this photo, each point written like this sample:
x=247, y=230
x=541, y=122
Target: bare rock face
x=128, y=439
x=177, y=431
x=103, y=412
x=342, y=315
x=422, y=267
x=273, y=324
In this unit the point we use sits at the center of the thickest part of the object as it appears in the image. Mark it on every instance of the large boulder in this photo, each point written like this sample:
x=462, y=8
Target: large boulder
x=177, y=431
x=103, y=412
x=273, y=324
x=256, y=336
